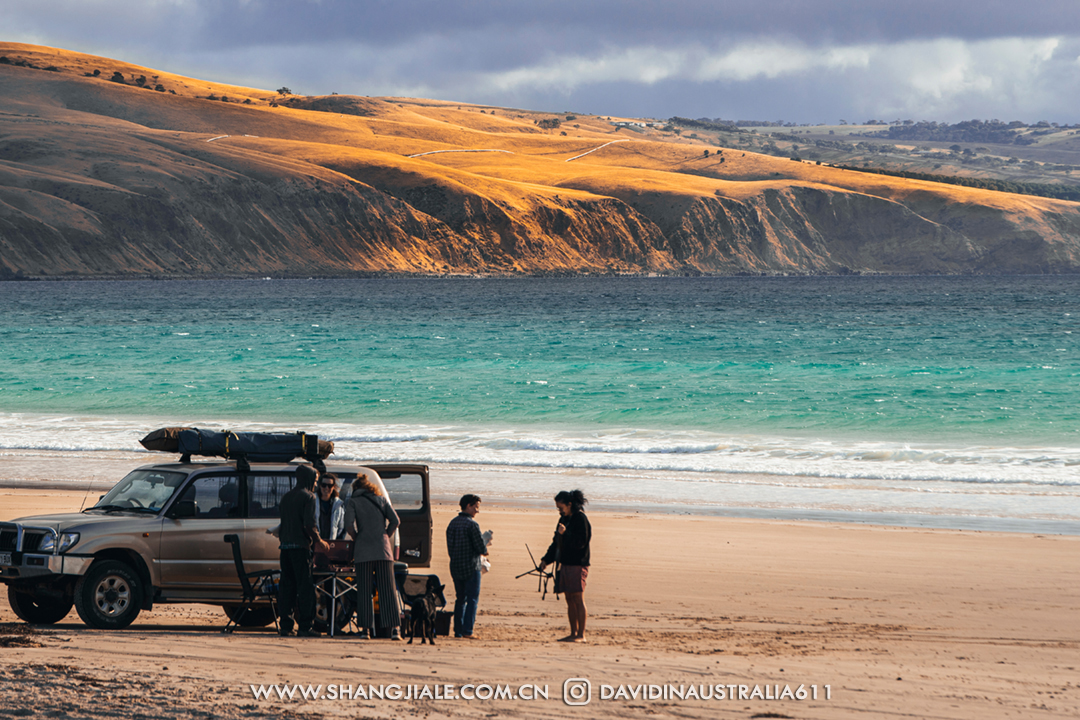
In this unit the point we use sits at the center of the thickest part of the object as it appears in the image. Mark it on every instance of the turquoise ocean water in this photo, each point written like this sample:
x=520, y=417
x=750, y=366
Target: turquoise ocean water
x=919, y=396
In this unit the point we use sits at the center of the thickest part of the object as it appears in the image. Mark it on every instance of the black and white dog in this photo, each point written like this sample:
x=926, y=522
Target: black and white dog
x=422, y=611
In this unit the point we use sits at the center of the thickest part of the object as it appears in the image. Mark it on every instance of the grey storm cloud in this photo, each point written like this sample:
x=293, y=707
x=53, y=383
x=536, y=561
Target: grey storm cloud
x=800, y=60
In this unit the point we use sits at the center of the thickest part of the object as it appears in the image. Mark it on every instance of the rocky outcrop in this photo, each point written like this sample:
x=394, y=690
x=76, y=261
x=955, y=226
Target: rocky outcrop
x=801, y=229
x=547, y=233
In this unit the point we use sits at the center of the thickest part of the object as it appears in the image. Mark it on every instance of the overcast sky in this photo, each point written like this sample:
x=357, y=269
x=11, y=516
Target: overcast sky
x=803, y=61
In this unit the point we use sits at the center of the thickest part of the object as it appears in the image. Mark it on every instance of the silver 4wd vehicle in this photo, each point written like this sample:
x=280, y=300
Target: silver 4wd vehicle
x=157, y=537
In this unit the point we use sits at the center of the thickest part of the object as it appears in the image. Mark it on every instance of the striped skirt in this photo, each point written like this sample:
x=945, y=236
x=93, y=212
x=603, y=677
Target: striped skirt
x=372, y=575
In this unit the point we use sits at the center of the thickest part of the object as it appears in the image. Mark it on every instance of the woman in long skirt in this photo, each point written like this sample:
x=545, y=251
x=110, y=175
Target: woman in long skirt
x=371, y=522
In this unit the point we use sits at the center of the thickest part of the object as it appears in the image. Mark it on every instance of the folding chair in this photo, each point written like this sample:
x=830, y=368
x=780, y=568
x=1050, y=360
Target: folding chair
x=335, y=587
x=256, y=585
x=414, y=587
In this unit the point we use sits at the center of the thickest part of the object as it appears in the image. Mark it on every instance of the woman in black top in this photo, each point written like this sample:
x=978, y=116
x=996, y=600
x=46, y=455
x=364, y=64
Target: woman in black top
x=570, y=550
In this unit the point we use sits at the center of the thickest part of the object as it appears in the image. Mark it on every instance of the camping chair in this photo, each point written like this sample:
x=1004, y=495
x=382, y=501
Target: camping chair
x=256, y=585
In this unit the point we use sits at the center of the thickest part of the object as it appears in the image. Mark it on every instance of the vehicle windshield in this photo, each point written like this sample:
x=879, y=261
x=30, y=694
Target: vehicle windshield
x=144, y=490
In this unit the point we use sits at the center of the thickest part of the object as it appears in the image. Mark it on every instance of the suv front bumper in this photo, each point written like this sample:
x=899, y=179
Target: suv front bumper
x=20, y=560
x=33, y=566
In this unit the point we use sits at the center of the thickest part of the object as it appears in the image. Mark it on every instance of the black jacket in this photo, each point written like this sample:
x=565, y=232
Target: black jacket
x=572, y=547
x=298, y=529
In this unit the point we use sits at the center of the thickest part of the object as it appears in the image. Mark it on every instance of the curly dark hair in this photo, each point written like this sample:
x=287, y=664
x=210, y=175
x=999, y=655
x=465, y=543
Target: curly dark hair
x=574, y=498
x=331, y=476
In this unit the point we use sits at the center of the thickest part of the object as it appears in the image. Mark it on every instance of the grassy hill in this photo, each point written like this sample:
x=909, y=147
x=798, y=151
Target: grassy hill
x=110, y=169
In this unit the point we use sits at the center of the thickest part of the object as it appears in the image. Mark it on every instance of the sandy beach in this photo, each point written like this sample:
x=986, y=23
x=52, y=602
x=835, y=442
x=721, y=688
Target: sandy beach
x=879, y=621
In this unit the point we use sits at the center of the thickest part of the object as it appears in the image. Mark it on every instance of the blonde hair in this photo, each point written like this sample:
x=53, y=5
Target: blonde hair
x=365, y=484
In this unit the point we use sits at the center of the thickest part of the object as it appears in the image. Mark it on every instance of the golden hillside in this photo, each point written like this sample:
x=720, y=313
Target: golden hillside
x=110, y=169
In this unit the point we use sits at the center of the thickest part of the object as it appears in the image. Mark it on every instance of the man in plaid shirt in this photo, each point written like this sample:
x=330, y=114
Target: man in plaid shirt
x=466, y=546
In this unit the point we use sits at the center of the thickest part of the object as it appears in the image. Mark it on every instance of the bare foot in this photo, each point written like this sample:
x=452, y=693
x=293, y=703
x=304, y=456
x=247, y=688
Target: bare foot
x=579, y=639
x=568, y=638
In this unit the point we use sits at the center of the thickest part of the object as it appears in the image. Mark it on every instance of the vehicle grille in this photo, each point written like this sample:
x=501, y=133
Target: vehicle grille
x=9, y=535
x=32, y=540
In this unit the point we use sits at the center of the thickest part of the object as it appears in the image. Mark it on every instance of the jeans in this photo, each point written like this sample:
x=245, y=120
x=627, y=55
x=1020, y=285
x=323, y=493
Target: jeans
x=297, y=589
x=467, y=592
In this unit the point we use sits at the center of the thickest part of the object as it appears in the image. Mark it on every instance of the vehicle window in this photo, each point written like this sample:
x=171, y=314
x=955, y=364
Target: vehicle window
x=215, y=496
x=143, y=489
x=265, y=493
x=345, y=480
x=406, y=490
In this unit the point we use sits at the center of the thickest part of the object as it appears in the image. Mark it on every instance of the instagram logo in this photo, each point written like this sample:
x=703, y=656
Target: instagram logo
x=576, y=691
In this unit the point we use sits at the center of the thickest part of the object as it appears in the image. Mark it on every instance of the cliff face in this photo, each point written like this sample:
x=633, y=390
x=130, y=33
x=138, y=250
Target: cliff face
x=835, y=231
x=100, y=178
x=54, y=224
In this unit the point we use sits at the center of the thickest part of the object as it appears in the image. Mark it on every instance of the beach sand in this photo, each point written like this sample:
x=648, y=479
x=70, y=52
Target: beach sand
x=895, y=622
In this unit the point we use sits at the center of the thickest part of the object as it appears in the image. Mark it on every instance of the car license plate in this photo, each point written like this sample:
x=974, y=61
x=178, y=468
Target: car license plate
x=5, y=558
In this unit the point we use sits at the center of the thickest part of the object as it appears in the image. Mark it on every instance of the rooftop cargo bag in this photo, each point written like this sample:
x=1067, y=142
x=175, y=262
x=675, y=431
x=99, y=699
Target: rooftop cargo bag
x=254, y=447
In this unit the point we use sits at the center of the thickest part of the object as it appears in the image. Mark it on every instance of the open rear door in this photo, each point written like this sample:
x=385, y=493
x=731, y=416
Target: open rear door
x=410, y=494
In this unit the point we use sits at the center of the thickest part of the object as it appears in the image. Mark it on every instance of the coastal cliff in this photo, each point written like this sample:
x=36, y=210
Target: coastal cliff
x=112, y=178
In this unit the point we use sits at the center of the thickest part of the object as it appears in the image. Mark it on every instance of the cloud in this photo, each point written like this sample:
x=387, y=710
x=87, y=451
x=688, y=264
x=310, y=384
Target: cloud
x=770, y=59
x=934, y=65
x=951, y=78
x=802, y=61
x=926, y=78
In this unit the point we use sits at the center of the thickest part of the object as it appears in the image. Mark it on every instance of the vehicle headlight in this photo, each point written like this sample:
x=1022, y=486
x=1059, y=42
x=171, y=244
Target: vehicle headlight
x=66, y=540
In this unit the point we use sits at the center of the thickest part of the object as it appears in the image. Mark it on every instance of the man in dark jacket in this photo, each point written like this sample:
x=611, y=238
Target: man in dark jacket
x=298, y=534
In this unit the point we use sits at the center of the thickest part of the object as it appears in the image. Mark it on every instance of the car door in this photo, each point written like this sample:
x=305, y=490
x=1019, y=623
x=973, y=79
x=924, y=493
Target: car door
x=408, y=487
x=194, y=560
x=264, y=492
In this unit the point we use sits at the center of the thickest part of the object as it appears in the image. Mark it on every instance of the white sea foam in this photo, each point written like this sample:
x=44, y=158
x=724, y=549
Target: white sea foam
x=653, y=466
x=636, y=450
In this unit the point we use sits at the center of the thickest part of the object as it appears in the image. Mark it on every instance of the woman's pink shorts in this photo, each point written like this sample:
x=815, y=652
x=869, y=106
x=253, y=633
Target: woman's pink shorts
x=572, y=578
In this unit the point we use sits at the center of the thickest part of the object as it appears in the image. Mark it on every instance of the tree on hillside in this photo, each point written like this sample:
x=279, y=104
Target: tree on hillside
x=283, y=91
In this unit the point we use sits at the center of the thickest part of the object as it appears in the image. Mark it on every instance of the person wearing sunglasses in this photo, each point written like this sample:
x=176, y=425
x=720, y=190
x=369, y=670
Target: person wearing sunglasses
x=330, y=508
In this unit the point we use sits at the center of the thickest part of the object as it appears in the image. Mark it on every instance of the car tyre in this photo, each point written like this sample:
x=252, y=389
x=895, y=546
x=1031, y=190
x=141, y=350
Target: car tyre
x=38, y=610
x=109, y=596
